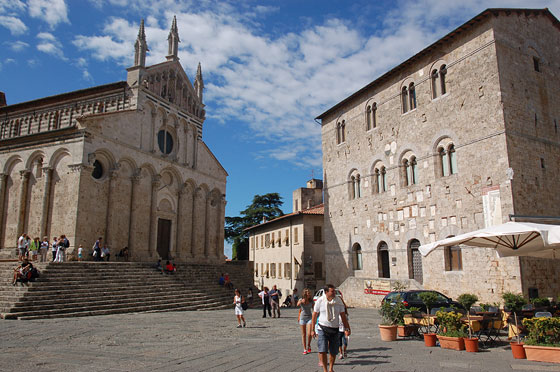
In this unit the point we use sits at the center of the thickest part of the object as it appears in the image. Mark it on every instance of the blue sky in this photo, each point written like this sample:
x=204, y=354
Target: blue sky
x=269, y=67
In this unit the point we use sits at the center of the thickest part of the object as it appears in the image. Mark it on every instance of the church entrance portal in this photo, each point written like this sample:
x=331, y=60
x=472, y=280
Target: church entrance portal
x=163, y=238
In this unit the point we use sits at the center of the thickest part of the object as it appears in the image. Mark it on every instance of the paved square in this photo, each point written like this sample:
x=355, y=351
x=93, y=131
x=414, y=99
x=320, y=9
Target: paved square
x=209, y=341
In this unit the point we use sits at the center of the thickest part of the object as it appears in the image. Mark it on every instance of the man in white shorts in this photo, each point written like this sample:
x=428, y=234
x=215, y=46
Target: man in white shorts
x=328, y=308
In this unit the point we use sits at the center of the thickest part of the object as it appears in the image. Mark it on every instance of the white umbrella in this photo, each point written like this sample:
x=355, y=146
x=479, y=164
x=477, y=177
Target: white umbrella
x=509, y=239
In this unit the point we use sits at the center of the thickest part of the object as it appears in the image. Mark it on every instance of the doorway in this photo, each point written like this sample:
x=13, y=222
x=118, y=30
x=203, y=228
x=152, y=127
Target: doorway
x=415, y=261
x=163, y=238
x=383, y=260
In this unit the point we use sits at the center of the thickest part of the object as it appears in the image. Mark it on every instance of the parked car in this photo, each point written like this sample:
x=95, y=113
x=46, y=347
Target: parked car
x=412, y=299
x=321, y=291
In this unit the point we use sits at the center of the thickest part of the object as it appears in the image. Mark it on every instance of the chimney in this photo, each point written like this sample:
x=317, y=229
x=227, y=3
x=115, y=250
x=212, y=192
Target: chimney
x=3, y=100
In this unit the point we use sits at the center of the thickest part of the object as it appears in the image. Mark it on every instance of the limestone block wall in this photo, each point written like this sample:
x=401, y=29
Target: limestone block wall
x=469, y=116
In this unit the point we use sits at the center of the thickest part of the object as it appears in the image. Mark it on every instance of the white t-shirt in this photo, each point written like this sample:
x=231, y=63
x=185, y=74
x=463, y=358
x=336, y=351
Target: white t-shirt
x=321, y=308
x=80, y=250
x=21, y=242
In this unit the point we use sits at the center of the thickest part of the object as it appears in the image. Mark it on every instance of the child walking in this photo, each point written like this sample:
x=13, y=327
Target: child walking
x=238, y=300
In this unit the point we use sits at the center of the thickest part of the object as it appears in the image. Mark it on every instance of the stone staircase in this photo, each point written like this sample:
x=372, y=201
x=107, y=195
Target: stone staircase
x=75, y=289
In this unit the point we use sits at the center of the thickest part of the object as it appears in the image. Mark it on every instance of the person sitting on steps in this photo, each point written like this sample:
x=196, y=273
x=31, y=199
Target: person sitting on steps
x=22, y=273
x=170, y=268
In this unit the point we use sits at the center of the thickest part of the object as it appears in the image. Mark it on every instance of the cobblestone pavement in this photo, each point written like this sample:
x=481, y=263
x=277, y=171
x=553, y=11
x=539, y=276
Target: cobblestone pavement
x=209, y=341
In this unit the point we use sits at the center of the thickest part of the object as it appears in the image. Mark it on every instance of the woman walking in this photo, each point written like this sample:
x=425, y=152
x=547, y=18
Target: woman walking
x=305, y=305
x=238, y=300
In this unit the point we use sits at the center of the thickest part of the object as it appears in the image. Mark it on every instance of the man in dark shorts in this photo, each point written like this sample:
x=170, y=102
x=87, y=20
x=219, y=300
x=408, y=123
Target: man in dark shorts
x=327, y=309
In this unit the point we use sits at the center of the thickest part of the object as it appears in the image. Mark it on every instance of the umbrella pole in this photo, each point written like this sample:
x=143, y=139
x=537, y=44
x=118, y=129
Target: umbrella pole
x=516, y=327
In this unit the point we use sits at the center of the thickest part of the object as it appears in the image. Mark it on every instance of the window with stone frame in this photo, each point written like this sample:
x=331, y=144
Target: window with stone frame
x=318, y=270
x=447, y=159
x=354, y=185
x=379, y=179
x=411, y=97
x=438, y=79
x=273, y=240
x=252, y=242
x=267, y=270
x=357, y=263
x=279, y=239
x=453, y=258
x=317, y=234
x=279, y=271
x=536, y=64
x=287, y=270
x=368, y=118
x=262, y=269
x=410, y=170
x=371, y=116
x=296, y=237
x=287, y=237
x=404, y=99
x=340, y=132
x=273, y=270
x=267, y=240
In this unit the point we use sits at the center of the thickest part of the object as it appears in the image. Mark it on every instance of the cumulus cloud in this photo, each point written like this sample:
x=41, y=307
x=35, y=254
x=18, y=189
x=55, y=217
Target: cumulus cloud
x=52, y=12
x=14, y=24
x=49, y=44
x=18, y=46
x=277, y=84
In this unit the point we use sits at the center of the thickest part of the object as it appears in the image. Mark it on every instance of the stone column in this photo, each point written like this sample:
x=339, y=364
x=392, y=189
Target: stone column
x=111, y=176
x=178, y=227
x=152, y=249
x=134, y=180
x=221, y=226
x=195, y=147
x=198, y=225
x=3, y=185
x=23, y=201
x=48, y=172
x=186, y=149
x=187, y=230
x=207, y=223
x=153, y=131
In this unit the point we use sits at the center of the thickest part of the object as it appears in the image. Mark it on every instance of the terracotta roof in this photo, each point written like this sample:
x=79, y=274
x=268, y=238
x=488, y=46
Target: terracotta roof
x=317, y=210
x=467, y=25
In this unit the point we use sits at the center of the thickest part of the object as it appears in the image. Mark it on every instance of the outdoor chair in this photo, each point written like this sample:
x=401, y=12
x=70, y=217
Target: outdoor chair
x=543, y=314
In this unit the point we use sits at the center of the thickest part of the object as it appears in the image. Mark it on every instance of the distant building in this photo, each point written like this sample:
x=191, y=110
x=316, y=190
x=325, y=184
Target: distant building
x=125, y=161
x=458, y=137
x=289, y=251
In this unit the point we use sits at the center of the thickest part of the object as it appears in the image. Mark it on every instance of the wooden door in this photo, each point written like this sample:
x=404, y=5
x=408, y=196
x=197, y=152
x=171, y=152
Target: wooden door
x=163, y=238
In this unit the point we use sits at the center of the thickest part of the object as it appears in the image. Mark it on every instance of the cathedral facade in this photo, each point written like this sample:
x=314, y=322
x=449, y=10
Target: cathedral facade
x=125, y=161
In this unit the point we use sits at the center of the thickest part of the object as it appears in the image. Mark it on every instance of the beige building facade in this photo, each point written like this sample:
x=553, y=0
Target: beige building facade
x=289, y=250
x=125, y=161
x=458, y=137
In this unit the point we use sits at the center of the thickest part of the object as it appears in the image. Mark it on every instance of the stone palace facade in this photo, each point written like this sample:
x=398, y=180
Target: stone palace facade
x=458, y=137
x=125, y=161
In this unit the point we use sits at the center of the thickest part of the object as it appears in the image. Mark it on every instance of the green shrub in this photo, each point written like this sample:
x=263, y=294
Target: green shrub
x=467, y=300
x=513, y=302
x=540, y=302
x=392, y=314
x=450, y=324
x=543, y=331
x=429, y=299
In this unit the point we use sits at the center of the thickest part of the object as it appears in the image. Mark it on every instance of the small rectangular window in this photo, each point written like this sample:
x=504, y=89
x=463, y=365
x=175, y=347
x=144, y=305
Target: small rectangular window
x=287, y=270
x=536, y=64
x=296, y=238
x=273, y=240
x=542, y=163
x=267, y=240
x=317, y=234
x=279, y=270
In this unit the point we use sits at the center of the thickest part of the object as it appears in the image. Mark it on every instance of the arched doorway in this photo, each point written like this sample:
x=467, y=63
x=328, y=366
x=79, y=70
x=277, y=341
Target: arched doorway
x=415, y=261
x=383, y=260
x=357, y=263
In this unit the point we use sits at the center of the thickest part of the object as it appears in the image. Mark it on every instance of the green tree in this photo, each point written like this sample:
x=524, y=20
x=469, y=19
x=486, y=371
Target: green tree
x=263, y=206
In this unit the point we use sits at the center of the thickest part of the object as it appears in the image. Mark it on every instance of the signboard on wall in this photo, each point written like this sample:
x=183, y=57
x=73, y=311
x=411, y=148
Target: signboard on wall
x=377, y=287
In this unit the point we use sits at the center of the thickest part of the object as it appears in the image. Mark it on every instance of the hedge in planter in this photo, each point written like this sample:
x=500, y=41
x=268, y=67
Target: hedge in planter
x=452, y=330
x=391, y=315
x=543, y=342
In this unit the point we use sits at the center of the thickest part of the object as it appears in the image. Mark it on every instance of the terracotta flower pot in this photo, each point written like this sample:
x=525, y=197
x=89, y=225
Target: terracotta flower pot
x=542, y=353
x=453, y=343
x=407, y=330
x=430, y=339
x=517, y=350
x=471, y=344
x=388, y=333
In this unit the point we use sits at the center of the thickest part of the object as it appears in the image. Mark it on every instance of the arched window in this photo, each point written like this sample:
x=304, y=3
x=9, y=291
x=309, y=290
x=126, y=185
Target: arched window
x=374, y=115
x=434, y=78
x=338, y=133
x=410, y=175
x=383, y=260
x=383, y=179
x=442, y=75
x=354, y=186
x=343, y=131
x=376, y=181
x=452, y=159
x=444, y=162
x=404, y=99
x=368, y=118
x=165, y=142
x=406, y=169
x=415, y=261
x=412, y=96
x=357, y=263
x=439, y=87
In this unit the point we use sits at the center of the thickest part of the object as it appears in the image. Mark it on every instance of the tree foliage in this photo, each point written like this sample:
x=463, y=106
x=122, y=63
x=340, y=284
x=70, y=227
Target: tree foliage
x=263, y=206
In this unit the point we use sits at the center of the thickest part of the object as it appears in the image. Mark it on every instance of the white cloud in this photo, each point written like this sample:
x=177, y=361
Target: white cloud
x=278, y=84
x=52, y=12
x=14, y=24
x=18, y=46
x=49, y=44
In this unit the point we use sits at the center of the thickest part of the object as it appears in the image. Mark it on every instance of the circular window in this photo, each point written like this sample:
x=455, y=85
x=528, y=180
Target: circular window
x=97, y=170
x=165, y=142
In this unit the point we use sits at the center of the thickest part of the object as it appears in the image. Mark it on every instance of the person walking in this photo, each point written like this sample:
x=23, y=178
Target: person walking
x=80, y=252
x=275, y=295
x=44, y=249
x=34, y=248
x=54, y=248
x=265, y=301
x=305, y=318
x=21, y=242
x=61, y=249
x=239, y=300
x=105, y=252
x=327, y=310
x=342, y=339
x=97, y=249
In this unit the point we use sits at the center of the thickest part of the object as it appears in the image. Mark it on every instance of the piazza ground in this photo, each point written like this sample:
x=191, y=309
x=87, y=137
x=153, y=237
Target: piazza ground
x=209, y=341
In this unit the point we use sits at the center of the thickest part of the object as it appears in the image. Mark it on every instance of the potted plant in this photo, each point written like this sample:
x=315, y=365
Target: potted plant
x=543, y=341
x=407, y=330
x=467, y=300
x=541, y=303
x=514, y=303
x=390, y=315
x=452, y=330
x=429, y=299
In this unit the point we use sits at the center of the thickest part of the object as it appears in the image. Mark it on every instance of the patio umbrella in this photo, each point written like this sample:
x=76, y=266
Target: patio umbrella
x=509, y=239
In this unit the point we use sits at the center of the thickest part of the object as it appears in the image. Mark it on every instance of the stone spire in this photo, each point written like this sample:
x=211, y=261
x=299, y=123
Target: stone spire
x=198, y=82
x=173, y=40
x=140, y=47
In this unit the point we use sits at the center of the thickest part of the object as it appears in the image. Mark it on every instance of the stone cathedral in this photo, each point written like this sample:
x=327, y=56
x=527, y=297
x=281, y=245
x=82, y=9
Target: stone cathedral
x=125, y=161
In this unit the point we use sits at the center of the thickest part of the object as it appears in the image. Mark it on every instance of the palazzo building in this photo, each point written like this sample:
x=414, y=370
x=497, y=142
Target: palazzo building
x=288, y=251
x=461, y=136
x=125, y=161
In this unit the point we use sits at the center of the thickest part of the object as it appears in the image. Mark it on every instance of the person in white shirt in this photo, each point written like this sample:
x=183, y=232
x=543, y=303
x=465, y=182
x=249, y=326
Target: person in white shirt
x=22, y=246
x=44, y=249
x=328, y=309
